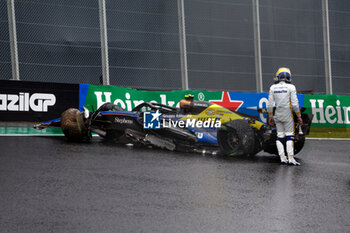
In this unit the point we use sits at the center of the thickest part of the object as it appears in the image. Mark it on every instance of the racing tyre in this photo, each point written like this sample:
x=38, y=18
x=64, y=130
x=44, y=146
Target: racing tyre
x=72, y=124
x=299, y=144
x=236, y=138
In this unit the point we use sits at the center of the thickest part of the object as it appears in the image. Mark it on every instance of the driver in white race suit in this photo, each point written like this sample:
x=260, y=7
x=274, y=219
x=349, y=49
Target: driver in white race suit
x=283, y=95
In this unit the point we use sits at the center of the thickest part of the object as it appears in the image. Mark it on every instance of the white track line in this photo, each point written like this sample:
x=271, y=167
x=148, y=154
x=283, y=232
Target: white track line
x=331, y=139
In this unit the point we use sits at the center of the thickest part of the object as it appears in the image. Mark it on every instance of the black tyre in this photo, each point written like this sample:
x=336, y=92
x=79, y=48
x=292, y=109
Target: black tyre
x=298, y=144
x=236, y=138
x=73, y=127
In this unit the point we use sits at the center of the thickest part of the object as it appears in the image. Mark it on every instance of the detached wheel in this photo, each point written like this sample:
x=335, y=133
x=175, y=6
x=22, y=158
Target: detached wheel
x=236, y=138
x=73, y=126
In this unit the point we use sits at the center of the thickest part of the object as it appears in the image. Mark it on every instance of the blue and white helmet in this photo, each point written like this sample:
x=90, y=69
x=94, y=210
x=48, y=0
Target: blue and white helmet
x=283, y=74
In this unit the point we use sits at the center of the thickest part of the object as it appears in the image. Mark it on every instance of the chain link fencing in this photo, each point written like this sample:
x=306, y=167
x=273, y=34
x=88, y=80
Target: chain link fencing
x=58, y=40
x=143, y=42
x=220, y=45
x=339, y=20
x=292, y=36
x=5, y=53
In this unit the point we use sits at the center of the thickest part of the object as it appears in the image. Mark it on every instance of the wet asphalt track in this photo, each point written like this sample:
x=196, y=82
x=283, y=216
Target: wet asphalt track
x=50, y=185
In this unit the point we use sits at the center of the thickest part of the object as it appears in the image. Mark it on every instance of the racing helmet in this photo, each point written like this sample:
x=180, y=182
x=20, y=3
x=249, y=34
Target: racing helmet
x=187, y=103
x=189, y=97
x=283, y=74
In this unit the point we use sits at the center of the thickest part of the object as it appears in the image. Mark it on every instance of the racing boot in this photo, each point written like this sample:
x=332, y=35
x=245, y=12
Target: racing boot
x=292, y=161
x=284, y=159
x=280, y=149
x=290, y=151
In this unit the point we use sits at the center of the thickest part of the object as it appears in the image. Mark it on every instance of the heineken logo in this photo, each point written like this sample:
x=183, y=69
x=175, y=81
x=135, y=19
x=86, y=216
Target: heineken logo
x=330, y=114
x=128, y=103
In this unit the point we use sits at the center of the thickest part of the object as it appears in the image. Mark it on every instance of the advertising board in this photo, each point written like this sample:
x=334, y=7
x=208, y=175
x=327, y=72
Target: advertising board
x=35, y=101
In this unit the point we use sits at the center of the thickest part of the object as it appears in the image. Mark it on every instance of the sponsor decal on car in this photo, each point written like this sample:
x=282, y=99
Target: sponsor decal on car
x=123, y=121
x=210, y=112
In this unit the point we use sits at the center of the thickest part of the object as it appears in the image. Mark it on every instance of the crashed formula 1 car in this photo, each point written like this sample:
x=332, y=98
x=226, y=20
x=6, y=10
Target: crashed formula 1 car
x=196, y=126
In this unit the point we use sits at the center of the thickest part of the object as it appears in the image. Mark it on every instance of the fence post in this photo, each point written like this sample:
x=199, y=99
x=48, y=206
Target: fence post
x=326, y=47
x=104, y=42
x=13, y=39
x=257, y=46
x=183, y=49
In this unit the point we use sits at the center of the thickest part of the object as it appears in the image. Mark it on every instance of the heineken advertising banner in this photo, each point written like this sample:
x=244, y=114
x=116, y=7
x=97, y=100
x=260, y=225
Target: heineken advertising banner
x=93, y=96
x=328, y=110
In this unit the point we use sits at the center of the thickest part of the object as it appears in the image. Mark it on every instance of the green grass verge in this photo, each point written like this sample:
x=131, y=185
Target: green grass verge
x=329, y=132
x=20, y=130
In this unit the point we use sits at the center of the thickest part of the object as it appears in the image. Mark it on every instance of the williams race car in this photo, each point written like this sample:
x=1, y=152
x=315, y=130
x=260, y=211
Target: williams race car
x=196, y=126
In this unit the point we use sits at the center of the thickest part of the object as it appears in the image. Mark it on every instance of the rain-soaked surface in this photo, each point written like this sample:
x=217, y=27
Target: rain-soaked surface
x=50, y=185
